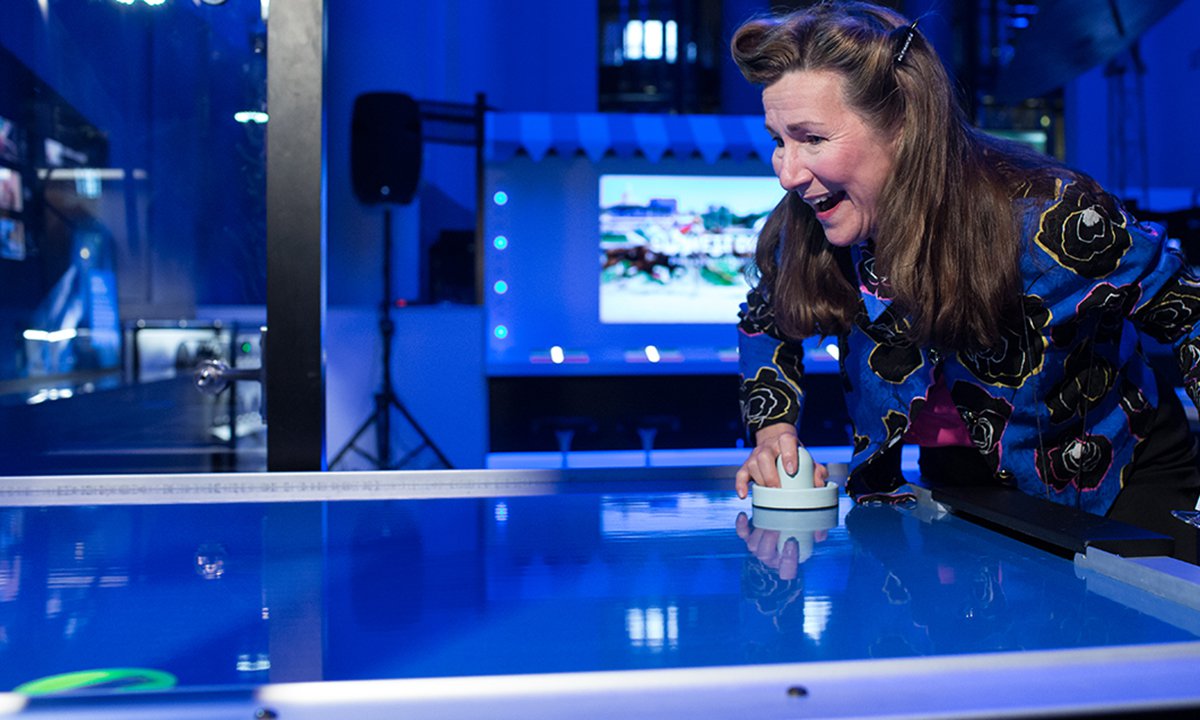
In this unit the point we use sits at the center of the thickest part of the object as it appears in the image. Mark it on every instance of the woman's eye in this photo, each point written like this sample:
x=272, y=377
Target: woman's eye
x=814, y=139
x=778, y=141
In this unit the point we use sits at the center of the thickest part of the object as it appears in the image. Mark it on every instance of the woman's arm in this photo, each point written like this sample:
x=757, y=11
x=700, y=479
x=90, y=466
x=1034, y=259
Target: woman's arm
x=772, y=369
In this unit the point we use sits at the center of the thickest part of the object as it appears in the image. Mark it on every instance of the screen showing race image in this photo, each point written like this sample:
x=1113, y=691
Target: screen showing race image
x=674, y=248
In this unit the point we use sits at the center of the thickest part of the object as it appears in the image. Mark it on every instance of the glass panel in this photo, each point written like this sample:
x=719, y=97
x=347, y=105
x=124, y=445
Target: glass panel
x=132, y=233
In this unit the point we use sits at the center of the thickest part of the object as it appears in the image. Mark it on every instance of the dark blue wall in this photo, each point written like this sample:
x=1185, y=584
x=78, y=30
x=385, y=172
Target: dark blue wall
x=1166, y=108
x=538, y=55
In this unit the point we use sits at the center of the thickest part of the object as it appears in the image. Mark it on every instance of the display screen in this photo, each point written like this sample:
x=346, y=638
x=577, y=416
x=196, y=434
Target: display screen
x=622, y=266
x=674, y=249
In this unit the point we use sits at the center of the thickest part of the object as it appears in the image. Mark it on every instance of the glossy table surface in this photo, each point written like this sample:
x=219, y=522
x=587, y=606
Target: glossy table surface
x=516, y=575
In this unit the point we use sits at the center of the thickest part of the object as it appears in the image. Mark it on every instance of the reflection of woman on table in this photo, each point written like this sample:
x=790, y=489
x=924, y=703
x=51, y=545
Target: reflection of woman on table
x=771, y=577
x=776, y=550
x=943, y=593
x=989, y=304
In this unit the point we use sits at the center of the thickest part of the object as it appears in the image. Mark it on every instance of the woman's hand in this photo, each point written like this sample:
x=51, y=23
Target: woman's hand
x=764, y=545
x=771, y=442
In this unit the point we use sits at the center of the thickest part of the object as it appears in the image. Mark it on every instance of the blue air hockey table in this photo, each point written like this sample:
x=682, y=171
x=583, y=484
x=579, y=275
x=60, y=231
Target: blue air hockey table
x=650, y=592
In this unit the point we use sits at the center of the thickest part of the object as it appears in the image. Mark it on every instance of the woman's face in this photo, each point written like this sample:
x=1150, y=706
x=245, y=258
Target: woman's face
x=827, y=154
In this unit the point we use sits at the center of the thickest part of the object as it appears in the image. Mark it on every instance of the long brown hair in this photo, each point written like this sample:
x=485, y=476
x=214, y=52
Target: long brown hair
x=946, y=238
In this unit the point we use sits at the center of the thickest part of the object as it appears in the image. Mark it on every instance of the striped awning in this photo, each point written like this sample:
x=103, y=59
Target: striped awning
x=597, y=135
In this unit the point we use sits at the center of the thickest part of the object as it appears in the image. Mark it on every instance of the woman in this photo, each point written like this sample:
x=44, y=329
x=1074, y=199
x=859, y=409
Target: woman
x=989, y=304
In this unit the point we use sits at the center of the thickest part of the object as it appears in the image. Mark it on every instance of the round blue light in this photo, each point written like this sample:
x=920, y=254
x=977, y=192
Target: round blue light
x=500, y=242
x=500, y=287
x=500, y=198
x=501, y=332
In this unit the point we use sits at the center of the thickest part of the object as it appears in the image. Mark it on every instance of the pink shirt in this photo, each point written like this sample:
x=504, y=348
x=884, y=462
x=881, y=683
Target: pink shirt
x=938, y=422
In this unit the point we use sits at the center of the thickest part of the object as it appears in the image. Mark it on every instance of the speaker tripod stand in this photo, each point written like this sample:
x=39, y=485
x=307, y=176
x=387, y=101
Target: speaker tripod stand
x=386, y=399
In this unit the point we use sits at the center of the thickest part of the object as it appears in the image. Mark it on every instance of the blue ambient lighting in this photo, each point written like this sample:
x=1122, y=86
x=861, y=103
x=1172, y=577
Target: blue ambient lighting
x=500, y=287
x=500, y=198
x=500, y=242
x=501, y=331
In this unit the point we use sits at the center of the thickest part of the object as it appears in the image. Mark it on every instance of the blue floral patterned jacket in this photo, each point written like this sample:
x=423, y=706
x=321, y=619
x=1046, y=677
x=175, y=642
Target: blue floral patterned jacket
x=1058, y=406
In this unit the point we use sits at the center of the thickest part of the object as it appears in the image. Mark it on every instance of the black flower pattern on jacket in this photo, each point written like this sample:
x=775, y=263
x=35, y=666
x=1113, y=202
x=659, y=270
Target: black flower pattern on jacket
x=1085, y=232
x=871, y=282
x=882, y=473
x=1075, y=459
x=1087, y=378
x=895, y=355
x=861, y=442
x=1018, y=354
x=1189, y=357
x=1173, y=312
x=757, y=316
x=766, y=399
x=1137, y=408
x=896, y=424
x=985, y=417
x=1103, y=312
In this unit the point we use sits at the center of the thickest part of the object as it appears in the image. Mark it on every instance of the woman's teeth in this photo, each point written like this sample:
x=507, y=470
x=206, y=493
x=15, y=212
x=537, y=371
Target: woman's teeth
x=829, y=201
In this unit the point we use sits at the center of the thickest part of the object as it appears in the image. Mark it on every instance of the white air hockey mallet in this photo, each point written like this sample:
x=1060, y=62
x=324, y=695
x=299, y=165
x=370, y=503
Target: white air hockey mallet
x=796, y=491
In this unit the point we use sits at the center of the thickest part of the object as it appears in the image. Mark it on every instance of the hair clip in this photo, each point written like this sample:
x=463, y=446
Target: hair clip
x=912, y=30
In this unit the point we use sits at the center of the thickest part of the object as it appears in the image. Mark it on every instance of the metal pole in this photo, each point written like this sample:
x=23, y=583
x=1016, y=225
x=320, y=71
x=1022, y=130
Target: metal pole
x=387, y=329
x=295, y=384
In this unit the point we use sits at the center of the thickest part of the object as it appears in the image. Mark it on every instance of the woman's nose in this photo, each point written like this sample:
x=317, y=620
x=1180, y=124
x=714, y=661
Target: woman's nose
x=793, y=173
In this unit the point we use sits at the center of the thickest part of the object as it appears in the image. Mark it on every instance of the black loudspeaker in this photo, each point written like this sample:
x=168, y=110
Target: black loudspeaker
x=385, y=147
